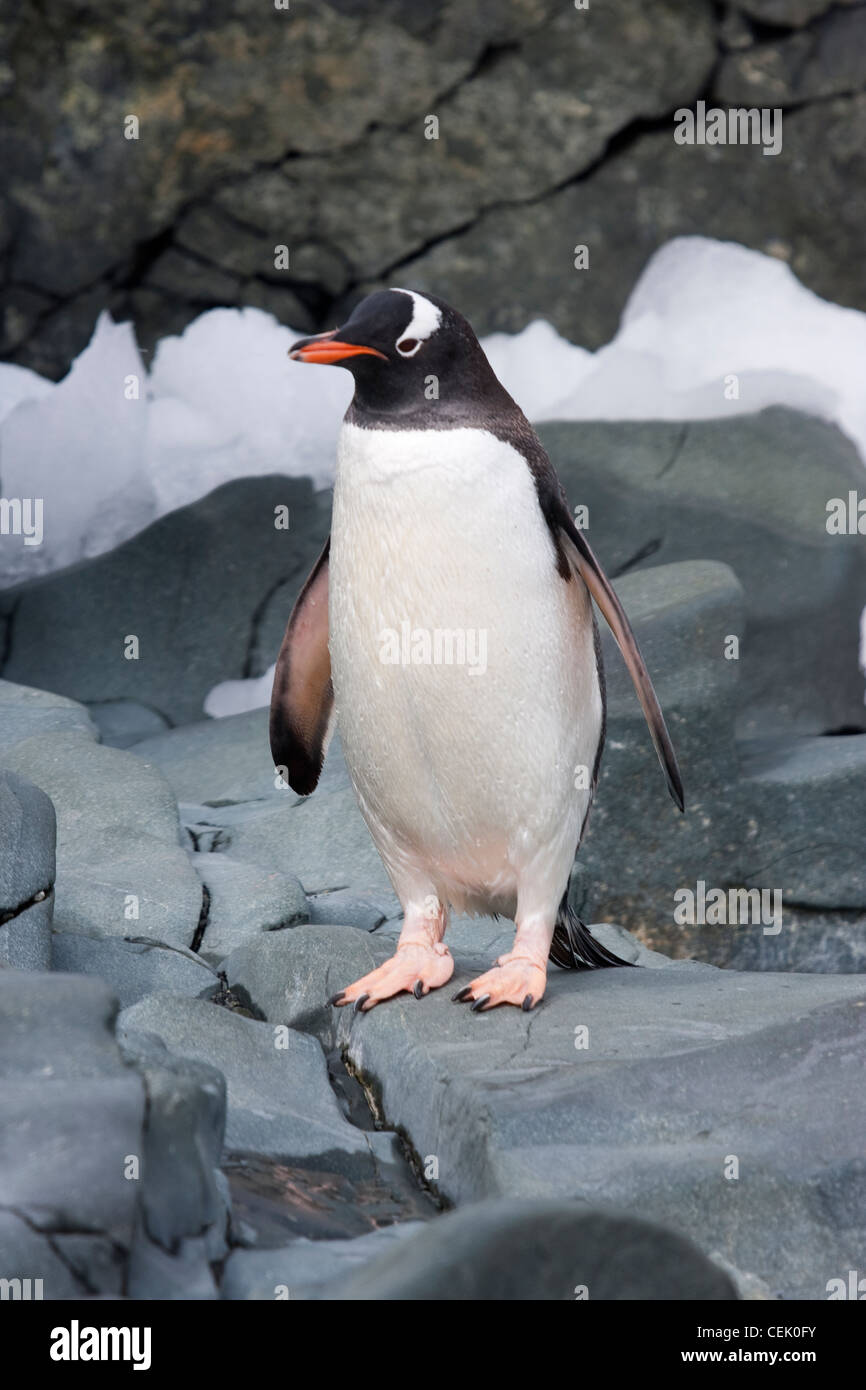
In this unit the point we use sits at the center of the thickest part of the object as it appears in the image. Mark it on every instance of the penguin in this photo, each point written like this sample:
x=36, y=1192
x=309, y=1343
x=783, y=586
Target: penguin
x=448, y=630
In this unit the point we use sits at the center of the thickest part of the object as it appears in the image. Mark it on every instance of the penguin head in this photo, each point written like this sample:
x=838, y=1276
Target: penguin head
x=394, y=343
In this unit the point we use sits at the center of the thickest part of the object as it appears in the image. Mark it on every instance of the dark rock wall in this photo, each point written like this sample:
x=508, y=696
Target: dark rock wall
x=308, y=128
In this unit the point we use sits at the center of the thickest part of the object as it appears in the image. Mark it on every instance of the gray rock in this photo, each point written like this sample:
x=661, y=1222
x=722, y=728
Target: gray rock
x=337, y=74
x=795, y=13
x=322, y=839
x=32, y=1258
x=539, y=1251
x=25, y=940
x=293, y=1271
x=209, y=212
x=638, y=849
x=27, y=867
x=646, y=192
x=27, y=833
x=183, y=1275
x=497, y=142
x=219, y=760
x=752, y=492
x=245, y=901
x=122, y=723
x=685, y=1067
x=825, y=61
x=73, y=1115
x=25, y=712
x=121, y=870
x=811, y=821
x=365, y=910
x=182, y=1196
x=289, y=976
x=132, y=969
x=279, y=1100
x=188, y=587
x=827, y=943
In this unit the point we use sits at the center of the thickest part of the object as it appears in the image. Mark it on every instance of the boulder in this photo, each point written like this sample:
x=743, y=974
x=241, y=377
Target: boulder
x=27, y=867
x=188, y=588
x=133, y=969
x=679, y=1094
x=243, y=902
x=121, y=870
x=521, y=1250
x=279, y=1101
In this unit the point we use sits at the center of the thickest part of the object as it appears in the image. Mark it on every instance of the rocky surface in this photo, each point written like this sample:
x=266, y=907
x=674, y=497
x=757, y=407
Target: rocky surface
x=681, y=1070
x=103, y=1167
x=232, y=1136
x=27, y=867
x=310, y=128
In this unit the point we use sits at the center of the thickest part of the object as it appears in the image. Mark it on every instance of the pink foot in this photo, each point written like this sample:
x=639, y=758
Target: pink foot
x=413, y=968
x=514, y=979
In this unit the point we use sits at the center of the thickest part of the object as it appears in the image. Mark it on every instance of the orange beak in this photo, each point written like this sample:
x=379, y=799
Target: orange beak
x=325, y=348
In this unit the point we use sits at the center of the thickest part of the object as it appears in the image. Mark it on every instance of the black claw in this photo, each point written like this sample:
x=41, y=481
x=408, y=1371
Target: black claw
x=461, y=994
x=418, y=990
x=479, y=1003
x=335, y=998
x=527, y=1004
x=359, y=1003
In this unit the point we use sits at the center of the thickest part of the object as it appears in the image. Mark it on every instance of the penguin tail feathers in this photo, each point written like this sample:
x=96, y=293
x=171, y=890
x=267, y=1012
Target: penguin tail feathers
x=574, y=947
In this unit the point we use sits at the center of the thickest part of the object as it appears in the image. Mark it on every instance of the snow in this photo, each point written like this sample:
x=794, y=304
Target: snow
x=237, y=697
x=711, y=328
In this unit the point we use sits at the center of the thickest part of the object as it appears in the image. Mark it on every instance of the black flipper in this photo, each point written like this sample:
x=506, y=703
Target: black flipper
x=574, y=947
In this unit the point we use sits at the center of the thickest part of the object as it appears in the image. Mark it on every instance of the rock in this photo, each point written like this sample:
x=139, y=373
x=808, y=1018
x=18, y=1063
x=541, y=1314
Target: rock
x=824, y=61
x=323, y=839
x=26, y=1250
x=245, y=901
x=216, y=761
x=279, y=1100
x=27, y=836
x=795, y=13
x=807, y=799
x=108, y=1177
x=294, y=1270
x=685, y=1068
x=27, y=712
x=496, y=142
x=536, y=1250
x=289, y=976
x=647, y=191
x=528, y=95
x=637, y=848
x=120, y=868
x=187, y=587
x=335, y=74
x=132, y=969
x=752, y=492
x=183, y=1196
x=364, y=910
x=122, y=723
x=828, y=943
x=73, y=1114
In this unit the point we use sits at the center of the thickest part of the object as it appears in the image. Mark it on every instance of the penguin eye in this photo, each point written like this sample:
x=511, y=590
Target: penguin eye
x=408, y=346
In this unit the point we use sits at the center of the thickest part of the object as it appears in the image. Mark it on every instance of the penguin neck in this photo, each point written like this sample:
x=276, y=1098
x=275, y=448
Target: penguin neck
x=485, y=405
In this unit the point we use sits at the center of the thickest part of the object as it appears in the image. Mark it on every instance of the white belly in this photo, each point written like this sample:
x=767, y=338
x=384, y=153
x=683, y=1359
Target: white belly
x=468, y=771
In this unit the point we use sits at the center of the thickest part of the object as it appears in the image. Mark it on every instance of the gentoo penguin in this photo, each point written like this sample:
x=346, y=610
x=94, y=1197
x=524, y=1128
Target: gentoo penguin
x=475, y=776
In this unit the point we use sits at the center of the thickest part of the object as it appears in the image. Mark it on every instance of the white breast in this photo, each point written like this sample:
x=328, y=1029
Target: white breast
x=465, y=772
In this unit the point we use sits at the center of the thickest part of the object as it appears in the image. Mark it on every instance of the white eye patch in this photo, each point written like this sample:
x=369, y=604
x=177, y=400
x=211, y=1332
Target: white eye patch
x=426, y=318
